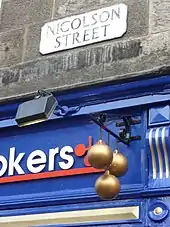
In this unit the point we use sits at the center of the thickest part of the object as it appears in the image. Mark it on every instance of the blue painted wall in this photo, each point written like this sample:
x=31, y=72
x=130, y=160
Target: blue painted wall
x=147, y=182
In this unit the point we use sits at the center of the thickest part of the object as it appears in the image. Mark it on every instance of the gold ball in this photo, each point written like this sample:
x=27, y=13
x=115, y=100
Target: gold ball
x=107, y=187
x=100, y=156
x=119, y=165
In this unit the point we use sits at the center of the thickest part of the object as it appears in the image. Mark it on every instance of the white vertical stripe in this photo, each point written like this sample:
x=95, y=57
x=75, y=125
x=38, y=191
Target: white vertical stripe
x=159, y=153
x=165, y=152
x=73, y=217
x=152, y=154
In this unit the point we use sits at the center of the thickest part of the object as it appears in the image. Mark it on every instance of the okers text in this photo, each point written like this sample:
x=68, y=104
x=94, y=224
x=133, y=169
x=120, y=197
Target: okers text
x=36, y=161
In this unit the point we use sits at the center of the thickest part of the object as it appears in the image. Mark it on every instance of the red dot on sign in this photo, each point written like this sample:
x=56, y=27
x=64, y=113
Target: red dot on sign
x=80, y=150
x=86, y=162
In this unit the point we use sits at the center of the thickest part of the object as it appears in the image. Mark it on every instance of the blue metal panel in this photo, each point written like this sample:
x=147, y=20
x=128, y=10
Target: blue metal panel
x=159, y=115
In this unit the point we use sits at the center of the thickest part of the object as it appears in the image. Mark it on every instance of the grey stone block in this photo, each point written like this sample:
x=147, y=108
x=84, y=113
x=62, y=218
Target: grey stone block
x=142, y=66
x=73, y=68
x=156, y=43
x=18, y=13
x=57, y=71
x=92, y=55
x=154, y=52
x=137, y=26
x=138, y=16
x=10, y=76
x=119, y=50
x=135, y=67
x=159, y=15
x=30, y=77
x=11, y=44
x=100, y=63
x=32, y=42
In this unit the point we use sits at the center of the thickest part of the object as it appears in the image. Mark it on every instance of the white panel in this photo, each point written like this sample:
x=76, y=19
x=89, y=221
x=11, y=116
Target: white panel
x=83, y=216
x=95, y=26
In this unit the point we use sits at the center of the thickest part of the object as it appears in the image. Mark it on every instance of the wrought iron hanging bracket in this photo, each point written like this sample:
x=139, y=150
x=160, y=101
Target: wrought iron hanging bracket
x=100, y=120
x=124, y=133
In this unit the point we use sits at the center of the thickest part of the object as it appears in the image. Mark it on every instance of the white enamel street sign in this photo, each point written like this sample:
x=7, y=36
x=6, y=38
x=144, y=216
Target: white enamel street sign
x=95, y=26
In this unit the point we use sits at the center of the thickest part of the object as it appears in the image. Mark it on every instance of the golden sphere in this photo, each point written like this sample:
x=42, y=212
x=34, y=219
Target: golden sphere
x=100, y=156
x=119, y=165
x=107, y=187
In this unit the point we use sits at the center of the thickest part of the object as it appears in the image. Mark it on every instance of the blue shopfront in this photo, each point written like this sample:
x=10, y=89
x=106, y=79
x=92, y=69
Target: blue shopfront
x=46, y=179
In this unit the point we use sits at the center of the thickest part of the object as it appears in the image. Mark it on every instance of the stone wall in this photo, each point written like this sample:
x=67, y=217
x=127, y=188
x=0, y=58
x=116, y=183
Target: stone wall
x=144, y=50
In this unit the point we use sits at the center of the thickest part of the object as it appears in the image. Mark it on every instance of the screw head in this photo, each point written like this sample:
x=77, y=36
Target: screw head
x=158, y=210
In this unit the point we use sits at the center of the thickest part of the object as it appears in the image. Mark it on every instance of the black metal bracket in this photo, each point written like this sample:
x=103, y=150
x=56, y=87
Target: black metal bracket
x=60, y=110
x=124, y=134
